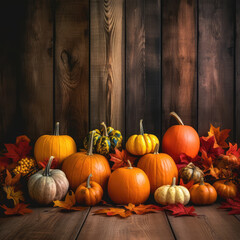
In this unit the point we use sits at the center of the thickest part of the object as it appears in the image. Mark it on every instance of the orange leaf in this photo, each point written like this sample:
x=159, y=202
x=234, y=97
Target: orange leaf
x=207, y=161
x=187, y=185
x=19, y=209
x=10, y=181
x=213, y=172
x=113, y=212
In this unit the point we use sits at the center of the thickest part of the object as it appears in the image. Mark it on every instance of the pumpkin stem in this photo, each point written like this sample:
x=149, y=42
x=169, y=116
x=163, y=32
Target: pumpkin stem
x=88, y=181
x=156, y=149
x=173, y=181
x=47, y=168
x=173, y=114
x=90, y=144
x=141, y=127
x=105, y=133
x=201, y=181
x=56, y=130
x=129, y=165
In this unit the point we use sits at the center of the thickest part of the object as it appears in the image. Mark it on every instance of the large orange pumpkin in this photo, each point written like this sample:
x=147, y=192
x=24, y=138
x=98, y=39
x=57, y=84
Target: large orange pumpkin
x=180, y=139
x=59, y=146
x=159, y=167
x=128, y=185
x=79, y=166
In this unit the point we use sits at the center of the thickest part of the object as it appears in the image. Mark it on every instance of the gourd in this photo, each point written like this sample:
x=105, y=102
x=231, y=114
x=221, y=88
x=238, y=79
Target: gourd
x=48, y=185
x=225, y=189
x=191, y=172
x=89, y=193
x=180, y=139
x=203, y=193
x=159, y=167
x=78, y=166
x=104, y=141
x=128, y=185
x=141, y=144
x=59, y=146
x=172, y=194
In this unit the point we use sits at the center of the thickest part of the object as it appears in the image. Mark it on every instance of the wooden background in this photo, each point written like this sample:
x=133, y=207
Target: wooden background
x=82, y=62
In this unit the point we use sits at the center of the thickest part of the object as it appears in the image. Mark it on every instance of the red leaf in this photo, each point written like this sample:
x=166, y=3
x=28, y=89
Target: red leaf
x=232, y=204
x=184, y=160
x=180, y=210
x=4, y=161
x=187, y=185
x=53, y=165
x=22, y=138
x=233, y=149
x=19, y=209
x=207, y=161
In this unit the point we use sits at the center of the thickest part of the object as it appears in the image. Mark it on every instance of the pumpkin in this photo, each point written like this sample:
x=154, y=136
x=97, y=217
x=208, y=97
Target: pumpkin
x=141, y=144
x=59, y=146
x=191, y=172
x=48, y=185
x=203, y=193
x=172, y=194
x=228, y=160
x=89, y=193
x=128, y=185
x=159, y=167
x=225, y=189
x=78, y=166
x=104, y=141
x=180, y=139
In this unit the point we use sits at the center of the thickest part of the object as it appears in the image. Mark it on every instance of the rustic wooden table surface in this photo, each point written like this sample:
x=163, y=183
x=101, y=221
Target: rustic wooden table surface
x=52, y=223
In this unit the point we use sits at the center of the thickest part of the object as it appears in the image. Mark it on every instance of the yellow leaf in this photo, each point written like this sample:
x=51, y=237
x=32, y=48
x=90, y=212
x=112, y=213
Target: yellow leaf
x=15, y=196
x=220, y=136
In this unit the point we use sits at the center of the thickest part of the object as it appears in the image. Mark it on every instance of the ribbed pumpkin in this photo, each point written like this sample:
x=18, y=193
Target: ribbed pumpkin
x=128, y=185
x=78, y=166
x=59, y=146
x=225, y=189
x=180, y=139
x=159, y=167
x=141, y=144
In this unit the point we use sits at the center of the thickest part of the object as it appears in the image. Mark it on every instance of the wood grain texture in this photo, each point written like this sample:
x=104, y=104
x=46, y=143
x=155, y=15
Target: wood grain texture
x=43, y=223
x=216, y=65
x=143, y=66
x=150, y=226
x=179, y=79
x=72, y=68
x=107, y=94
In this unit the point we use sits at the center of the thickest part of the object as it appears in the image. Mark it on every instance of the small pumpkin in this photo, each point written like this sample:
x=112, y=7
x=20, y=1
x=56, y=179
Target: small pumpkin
x=128, y=185
x=104, y=141
x=78, y=166
x=48, y=185
x=180, y=139
x=89, y=193
x=59, y=146
x=203, y=193
x=225, y=189
x=191, y=172
x=141, y=144
x=159, y=167
x=229, y=160
x=172, y=194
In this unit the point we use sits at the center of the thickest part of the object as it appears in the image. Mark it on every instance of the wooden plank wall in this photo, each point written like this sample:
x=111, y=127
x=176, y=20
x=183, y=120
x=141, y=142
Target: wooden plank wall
x=82, y=62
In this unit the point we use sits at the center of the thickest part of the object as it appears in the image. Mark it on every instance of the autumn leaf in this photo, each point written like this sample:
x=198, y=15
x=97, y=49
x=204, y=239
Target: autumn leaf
x=184, y=160
x=11, y=181
x=4, y=162
x=214, y=172
x=53, y=165
x=231, y=204
x=206, y=161
x=19, y=209
x=22, y=138
x=68, y=203
x=11, y=194
x=220, y=136
x=142, y=209
x=233, y=149
x=113, y=212
x=187, y=185
x=180, y=210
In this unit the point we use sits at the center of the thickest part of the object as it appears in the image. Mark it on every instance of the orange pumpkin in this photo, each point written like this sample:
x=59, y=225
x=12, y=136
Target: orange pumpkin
x=203, y=193
x=128, y=185
x=159, y=167
x=180, y=139
x=78, y=166
x=59, y=146
x=225, y=189
x=89, y=193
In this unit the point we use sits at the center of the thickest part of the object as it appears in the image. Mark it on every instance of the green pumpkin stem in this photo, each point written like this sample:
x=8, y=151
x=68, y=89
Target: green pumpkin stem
x=141, y=127
x=88, y=181
x=90, y=144
x=173, y=181
x=173, y=114
x=129, y=165
x=201, y=181
x=105, y=133
x=156, y=149
x=56, y=130
x=47, y=168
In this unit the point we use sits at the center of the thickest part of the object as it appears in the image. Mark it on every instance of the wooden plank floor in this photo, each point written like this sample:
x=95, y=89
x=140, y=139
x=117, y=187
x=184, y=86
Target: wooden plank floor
x=52, y=223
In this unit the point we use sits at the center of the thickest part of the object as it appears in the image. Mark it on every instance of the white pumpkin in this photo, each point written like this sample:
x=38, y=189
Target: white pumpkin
x=48, y=185
x=172, y=194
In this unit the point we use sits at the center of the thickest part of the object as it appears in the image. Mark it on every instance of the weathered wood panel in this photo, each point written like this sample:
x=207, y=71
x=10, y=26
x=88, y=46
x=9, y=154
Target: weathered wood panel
x=72, y=68
x=216, y=64
x=107, y=72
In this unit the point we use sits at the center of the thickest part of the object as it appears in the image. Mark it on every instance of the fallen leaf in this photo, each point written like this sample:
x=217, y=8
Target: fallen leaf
x=142, y=209
x=15, y=196
x=53, y=165
x=187, y=185
x=232, y=204
x=220, y=136
x=11, y=181
x=19, y=209
x=22, y=138
x=180, y=210
x=113, y=212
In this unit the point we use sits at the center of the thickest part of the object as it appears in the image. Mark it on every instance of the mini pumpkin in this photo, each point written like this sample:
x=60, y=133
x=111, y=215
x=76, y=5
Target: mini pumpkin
x=89, y=193
x=172, y=194
x=48, y=185
x=141, y=144
x=225, y=189
x=203, y=193
x=59, y=146
x=128, y=185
